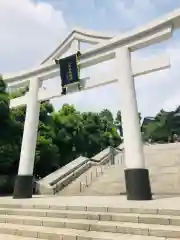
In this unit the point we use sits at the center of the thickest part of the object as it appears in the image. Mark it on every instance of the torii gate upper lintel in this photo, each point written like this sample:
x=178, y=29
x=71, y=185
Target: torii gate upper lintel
x=81, y=35
x=120, y=47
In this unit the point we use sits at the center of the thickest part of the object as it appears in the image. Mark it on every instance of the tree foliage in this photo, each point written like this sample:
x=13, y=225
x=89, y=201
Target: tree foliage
x=118, y=122
x=163, y=126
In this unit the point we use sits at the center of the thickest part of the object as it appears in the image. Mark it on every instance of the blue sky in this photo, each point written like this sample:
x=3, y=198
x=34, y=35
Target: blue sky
x=111, y=14
x=31, y=29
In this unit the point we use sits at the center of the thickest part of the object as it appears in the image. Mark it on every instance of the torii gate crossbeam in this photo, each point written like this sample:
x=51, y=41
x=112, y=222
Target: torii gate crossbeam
x=99, y=53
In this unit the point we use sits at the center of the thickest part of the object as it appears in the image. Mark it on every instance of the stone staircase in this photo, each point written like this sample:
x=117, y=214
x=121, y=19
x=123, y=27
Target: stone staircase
x=163, y=162
x=22, y=221
x=68, y=179
x=30, y=222
x=78, y=186
x=84, y=183
x=110, y=183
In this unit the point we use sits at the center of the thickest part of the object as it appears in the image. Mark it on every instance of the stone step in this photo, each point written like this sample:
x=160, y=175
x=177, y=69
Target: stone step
x=64, y=234
x=13, y=237
x=7, y=208
x=101, y=216
x=167, y=231
x=113, y=177
x=76, y=186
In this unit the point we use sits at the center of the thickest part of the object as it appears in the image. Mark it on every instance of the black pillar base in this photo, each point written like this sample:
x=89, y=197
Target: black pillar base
x=23, y=187
x=138, y=184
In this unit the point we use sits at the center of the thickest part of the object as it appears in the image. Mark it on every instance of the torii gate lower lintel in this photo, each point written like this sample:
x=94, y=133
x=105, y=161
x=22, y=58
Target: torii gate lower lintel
x=136, y=175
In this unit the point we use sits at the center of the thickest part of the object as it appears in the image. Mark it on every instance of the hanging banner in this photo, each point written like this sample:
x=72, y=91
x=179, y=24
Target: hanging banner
x=69, y=70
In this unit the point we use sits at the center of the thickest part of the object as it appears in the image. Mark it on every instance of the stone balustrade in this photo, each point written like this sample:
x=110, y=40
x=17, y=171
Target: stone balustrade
x=59, y=179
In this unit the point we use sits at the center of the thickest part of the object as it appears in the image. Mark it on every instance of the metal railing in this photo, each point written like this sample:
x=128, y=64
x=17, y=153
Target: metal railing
x=98, y=171
x=93, y=175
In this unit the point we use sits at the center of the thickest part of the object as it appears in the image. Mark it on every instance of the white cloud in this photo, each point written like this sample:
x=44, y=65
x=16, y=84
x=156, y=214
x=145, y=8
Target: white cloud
x=134, y=12
x=154, y=91
x=161, y=89
x=29, y=32
x=173, y=100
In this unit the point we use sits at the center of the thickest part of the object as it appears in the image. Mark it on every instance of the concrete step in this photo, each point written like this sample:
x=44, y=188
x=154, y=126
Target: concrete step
x=65, y=234
x=100, y=216
x=92, y=176
x=77, y=210
x=17, y=208
x=76, y=186
x=167, y=231
x=13, y=237
x=110, y=183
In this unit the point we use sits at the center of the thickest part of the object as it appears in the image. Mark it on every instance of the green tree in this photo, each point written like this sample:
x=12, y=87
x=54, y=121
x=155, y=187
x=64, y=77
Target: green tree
x=118, y=121
x=46, y=158
x=82, y=133
x=66, y=125
x=9, y=142
x=47, y=155
x=18, y=92
x=163, y=126
x=107, y=114
x=4, y=105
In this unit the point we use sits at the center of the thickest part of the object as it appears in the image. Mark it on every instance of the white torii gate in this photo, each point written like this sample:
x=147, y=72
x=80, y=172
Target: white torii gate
x=120, y=48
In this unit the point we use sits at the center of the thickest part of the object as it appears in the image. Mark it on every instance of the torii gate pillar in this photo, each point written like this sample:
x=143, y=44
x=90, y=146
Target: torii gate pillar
x=136, y=176
x=24, y=181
